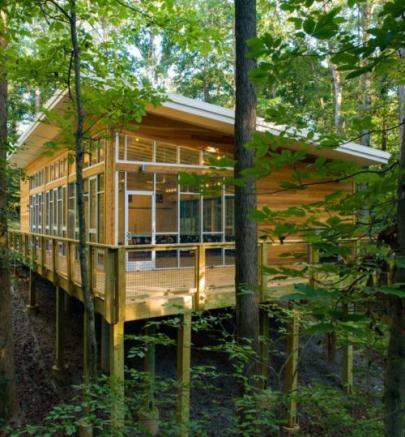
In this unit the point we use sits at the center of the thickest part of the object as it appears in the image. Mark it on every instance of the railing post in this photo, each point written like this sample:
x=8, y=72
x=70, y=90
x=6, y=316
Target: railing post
x=90, y=267
x=200, y=278
x=291, y=372
x=59, y=365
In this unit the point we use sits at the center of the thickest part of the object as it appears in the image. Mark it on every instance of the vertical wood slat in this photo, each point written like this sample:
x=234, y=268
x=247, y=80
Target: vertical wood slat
x=183, y=373
x=200, y=276
x=291, y=371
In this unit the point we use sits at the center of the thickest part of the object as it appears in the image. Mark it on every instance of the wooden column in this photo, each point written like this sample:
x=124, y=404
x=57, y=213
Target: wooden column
x=264, y=346
x=291, y=373
x=183, y=372
x=149, y=415
x=347, y=357
x=105, y=345
x=59, y=365
x=116, y=362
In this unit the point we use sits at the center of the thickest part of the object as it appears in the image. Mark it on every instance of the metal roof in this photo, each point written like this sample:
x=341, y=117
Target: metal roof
x=30, y=143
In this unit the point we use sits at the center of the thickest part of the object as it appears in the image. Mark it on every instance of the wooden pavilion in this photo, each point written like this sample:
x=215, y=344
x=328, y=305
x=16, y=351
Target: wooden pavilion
x=155, y=247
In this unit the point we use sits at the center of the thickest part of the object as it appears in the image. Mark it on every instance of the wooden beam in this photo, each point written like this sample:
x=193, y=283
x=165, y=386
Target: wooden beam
x=149, y=414
x=59, y=365
x=183, y=373
x=116, y=362
x=105, y=345
x=291, y=373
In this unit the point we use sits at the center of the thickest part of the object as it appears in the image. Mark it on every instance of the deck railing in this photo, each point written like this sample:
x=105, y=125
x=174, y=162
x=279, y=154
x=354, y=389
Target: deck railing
x=120, y=275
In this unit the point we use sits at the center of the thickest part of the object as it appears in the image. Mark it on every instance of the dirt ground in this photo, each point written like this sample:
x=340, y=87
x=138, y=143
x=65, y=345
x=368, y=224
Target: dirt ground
x=39, y=388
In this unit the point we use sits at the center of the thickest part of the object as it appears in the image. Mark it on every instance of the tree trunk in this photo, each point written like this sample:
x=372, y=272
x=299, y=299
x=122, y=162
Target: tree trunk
x=8, y=401
x=89, y=310
x=365, y=78
x=247, y=309
x=394, y=394
x=337, y=92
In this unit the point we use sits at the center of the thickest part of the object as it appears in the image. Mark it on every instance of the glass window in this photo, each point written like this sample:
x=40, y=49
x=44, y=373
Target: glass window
x=71, y=210
x=100, y=208
x=212, y=213
x=189, y=218
x=166, y=204
x=229, y=218
x=92, y=208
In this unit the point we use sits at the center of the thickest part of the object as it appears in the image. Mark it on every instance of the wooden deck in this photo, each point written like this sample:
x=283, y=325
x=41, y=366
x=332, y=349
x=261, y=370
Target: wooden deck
x=203, y=278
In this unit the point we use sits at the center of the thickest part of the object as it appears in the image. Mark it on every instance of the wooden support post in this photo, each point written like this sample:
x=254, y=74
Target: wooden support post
x=105, y=345
x=347, y=365
x=264, y=347
x=32, y=290
x=69, y=270
x=291, y=373
x=116, y=362
x=149, y=414
x=183, y=373
x=200, y=277
x=59, y=365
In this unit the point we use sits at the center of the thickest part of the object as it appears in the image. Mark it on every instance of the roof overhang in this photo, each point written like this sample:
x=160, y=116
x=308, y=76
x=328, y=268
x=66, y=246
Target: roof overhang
x=30, y=143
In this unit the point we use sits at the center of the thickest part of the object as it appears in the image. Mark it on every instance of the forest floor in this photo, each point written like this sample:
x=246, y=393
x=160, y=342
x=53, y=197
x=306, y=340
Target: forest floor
x=39, y=388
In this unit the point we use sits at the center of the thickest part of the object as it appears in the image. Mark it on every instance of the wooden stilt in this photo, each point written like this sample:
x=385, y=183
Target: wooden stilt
x=264, y=346
x=59, y=365
x=291, y=374
x=347, y=365
x=105, y=344
x=183, y=373
x=116, y=363
x=149, y=415
x=32, y=290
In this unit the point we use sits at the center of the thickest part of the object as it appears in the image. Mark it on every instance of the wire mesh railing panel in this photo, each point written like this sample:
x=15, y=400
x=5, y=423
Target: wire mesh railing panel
x=219, y=271
x=98, y=269
x=61, y=258
x=48, y=254
x=75, y=268
x=159, y=272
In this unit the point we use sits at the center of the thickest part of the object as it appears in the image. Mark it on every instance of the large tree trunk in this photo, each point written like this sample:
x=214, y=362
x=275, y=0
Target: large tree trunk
x=8, y=401
x=89, y=311
x=394, y=395
x=364, y=10
x=337, y=92
x=247, y=309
